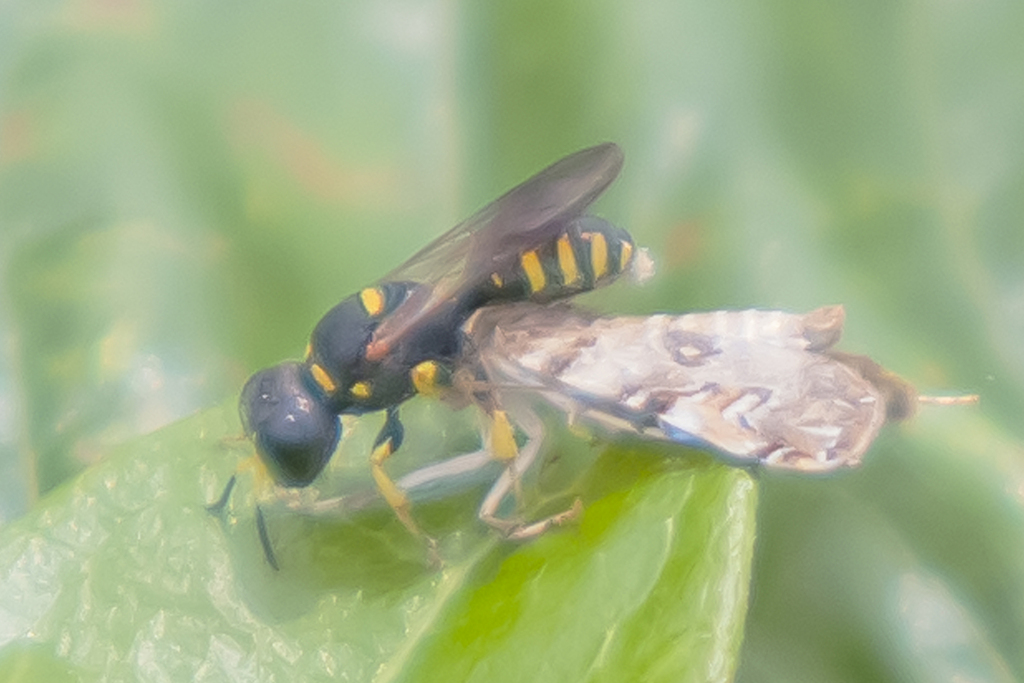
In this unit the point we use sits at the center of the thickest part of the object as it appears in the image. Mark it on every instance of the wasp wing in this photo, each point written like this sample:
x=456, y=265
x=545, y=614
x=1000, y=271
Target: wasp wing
x=521, y=219
x=758, y=386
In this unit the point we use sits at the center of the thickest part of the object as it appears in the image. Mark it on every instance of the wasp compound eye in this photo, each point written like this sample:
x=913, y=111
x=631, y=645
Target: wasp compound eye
x=294, y=433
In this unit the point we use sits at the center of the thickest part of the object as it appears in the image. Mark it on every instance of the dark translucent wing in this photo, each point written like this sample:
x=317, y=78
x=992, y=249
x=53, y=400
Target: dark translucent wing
x=521, y=219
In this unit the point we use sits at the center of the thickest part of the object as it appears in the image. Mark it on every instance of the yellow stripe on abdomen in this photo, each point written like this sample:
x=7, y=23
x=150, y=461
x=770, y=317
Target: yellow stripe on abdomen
x=598, y=255
x=625, y=255
x=533, y=270
x=567, y=261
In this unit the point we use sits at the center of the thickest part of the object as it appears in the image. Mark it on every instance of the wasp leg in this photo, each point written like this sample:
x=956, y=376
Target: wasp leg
x=508, y=484
x=388, y=441
x=501, y=443
x=500, y=438
x=430, y=482
x=528, y=531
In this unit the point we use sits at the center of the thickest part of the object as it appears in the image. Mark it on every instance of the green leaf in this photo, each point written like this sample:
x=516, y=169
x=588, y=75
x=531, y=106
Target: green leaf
x=123, y=574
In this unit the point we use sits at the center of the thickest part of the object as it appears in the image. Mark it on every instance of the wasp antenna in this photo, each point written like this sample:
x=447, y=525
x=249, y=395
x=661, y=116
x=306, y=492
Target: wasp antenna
x=218, y=507
x=949, y=400
x=268, y=550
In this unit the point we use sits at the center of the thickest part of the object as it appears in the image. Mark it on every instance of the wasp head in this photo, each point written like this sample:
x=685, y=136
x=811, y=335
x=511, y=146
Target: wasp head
x=293, y=430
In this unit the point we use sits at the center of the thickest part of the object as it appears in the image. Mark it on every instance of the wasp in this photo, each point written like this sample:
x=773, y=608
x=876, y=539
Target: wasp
x=403, y=336
x=764, y=389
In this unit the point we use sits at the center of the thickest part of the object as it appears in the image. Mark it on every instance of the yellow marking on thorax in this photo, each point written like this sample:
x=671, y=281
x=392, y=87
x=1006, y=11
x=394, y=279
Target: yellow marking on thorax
x=322, y=378
x=567, y=261
x=361, y=390
x=424, y=378
x=534, y=271
x=496, y=279
x=625, y=255
x=598, y=255
x=372, y=299
x=309, y=351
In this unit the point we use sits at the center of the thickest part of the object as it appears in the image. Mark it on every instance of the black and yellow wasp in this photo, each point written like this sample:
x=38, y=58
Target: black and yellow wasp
x=404, y=335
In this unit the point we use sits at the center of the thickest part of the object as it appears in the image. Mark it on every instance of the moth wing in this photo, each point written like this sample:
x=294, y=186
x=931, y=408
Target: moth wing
x=757, y=386
x=823, y=417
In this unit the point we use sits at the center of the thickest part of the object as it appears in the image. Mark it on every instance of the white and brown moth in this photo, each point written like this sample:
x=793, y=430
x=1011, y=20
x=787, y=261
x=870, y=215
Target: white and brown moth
x=762, y=386
x=758, y=387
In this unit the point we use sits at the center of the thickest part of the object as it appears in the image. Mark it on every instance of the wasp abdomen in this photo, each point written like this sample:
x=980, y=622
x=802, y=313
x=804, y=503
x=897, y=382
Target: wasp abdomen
x=589, y=252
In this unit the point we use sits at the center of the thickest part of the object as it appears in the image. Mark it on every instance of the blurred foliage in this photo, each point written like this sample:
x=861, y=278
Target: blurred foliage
x=185, y=188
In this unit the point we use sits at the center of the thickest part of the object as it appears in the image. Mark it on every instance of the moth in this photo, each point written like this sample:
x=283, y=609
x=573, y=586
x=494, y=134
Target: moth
x=759, y=388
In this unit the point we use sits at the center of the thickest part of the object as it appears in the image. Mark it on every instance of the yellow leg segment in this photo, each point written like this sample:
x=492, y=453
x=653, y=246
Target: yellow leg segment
x=393, y=495
x=503, y=439
x=515, y=528
x=503, y=448
x=388, y=441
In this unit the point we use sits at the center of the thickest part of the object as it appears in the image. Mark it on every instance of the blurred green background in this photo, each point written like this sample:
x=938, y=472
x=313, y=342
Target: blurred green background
x=186, y=187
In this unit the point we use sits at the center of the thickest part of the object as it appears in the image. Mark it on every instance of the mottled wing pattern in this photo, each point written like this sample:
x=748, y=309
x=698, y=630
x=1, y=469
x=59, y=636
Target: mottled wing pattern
x=755, y=385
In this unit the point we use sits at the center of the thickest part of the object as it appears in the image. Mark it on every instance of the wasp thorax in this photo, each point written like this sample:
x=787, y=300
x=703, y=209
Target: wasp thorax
x=294, y=432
